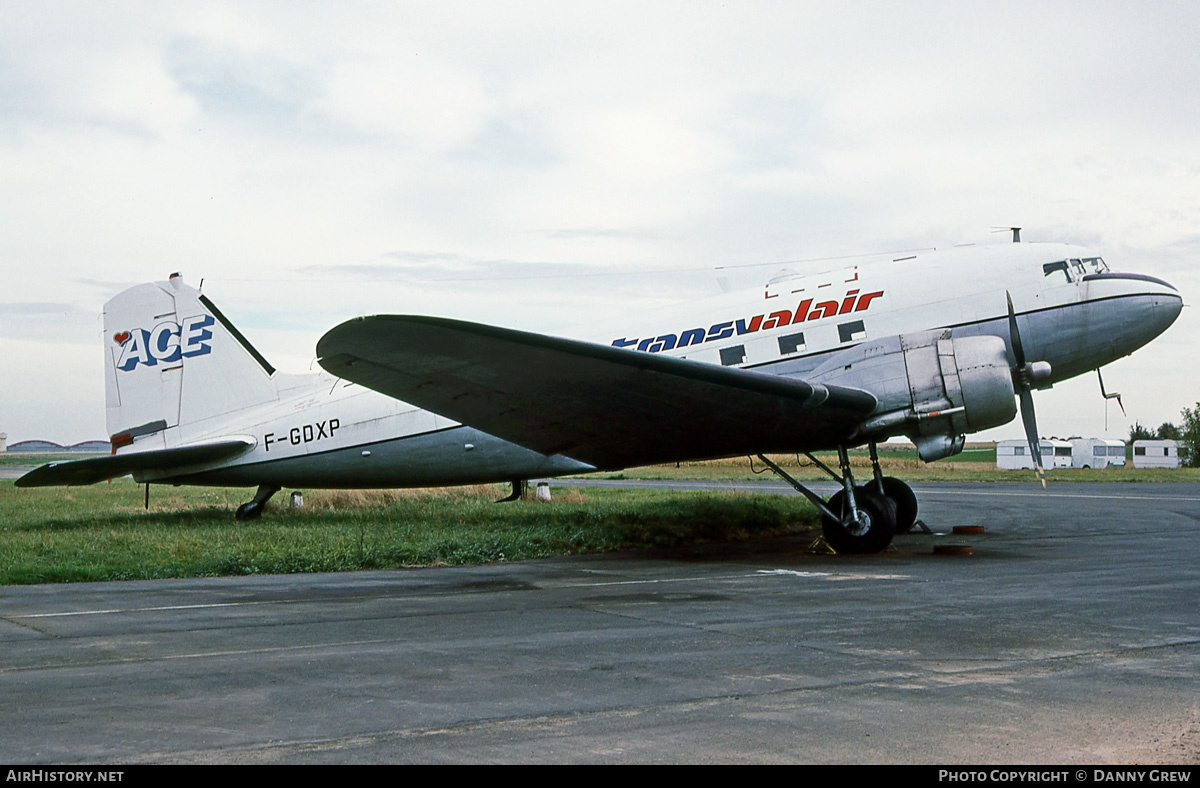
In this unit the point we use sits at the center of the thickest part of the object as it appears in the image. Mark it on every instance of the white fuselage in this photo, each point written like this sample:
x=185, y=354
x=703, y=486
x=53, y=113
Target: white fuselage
x=320, y=431
x=1075, y=324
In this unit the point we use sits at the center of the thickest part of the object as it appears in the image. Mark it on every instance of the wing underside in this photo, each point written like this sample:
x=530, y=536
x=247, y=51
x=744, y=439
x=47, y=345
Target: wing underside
x=605, y=406
x=99, y=469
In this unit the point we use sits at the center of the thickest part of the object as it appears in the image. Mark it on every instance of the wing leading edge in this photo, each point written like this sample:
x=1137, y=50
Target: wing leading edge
x=605, y=406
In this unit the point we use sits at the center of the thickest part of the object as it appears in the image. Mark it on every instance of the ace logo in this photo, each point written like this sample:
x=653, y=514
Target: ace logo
x=166, y=342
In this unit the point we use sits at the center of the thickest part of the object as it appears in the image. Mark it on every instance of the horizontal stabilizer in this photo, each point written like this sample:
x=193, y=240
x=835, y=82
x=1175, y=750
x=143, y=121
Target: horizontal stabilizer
x=99, y=469
x=605, y=406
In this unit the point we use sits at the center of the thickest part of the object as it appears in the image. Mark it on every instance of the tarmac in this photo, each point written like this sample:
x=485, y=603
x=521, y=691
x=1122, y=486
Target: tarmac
x=1071, y=635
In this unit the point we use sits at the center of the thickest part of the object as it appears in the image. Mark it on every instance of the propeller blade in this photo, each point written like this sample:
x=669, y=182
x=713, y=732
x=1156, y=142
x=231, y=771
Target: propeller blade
x=1029, y=418
x=1024, y=375
x=1014, y=334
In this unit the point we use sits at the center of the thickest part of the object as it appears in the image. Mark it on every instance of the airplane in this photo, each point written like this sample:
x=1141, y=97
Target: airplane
x=930, y=345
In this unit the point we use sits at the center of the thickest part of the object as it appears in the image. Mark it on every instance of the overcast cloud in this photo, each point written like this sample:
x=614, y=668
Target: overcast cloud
x=532, y=163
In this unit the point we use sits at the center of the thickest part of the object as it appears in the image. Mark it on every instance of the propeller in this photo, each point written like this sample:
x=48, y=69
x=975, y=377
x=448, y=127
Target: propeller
x=1025, y=375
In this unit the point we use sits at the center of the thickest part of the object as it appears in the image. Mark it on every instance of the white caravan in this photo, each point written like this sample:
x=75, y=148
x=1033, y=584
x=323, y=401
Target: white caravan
x=1014, y=455
x=1097, y=453
x=1155, y=454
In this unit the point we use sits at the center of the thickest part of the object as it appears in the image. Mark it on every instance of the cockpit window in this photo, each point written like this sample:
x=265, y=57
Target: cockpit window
x=1077, y=267
x=1095, y=265
x=1060, y=267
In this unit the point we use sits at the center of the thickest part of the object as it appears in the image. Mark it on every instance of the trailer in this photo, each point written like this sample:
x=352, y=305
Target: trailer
x=1097, y=453
x=1155, y=454
x=1014, y=454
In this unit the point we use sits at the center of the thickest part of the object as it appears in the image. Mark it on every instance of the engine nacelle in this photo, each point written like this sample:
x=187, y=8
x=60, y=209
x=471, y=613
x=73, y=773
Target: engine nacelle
x=932, y=387
x=959, y=385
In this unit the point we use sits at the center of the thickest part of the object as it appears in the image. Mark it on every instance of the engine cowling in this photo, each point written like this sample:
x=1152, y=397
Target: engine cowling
x=932, y=387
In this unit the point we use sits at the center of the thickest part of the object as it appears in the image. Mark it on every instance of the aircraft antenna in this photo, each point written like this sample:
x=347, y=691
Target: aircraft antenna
x=1016, y=231
x=1107, y=396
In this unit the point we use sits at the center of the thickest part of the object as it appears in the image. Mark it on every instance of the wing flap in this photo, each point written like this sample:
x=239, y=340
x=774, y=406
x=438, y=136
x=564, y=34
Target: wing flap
x=605, y=406
x=99, y=469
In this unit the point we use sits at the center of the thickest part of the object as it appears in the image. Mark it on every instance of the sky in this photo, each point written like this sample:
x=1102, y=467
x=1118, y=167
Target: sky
x=539, y=164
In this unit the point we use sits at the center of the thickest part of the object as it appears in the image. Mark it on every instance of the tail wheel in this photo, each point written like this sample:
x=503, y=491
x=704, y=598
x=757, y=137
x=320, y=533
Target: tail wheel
x=251, y=510
x=905, y=499
x=870, y=533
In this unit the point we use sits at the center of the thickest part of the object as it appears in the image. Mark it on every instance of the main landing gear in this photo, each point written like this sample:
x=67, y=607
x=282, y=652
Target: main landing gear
x=252, y=510
x=859, y=518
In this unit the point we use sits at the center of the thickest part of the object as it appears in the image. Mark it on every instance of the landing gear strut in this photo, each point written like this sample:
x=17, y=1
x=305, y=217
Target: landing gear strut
x=897, y=491
x=252, y=510
x=519, y=486
x=859, y=518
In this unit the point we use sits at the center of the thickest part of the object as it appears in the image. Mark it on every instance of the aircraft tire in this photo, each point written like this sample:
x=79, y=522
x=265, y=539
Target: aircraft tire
x=906, y=503
x=874, y=532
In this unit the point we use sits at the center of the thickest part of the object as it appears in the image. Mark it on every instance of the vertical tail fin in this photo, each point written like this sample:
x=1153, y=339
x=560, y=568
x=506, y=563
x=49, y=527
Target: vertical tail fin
x=174, y=365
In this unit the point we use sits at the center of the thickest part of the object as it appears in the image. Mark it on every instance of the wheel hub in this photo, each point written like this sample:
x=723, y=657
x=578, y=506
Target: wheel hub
x=859, y=526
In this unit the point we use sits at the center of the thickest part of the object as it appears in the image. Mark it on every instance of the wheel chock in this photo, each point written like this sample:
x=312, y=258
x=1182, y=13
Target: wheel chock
x=821, y=547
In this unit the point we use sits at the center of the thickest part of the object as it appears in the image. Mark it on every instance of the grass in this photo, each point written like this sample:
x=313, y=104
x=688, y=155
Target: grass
x=32, y=459
x=972, y=465
x=103, y=533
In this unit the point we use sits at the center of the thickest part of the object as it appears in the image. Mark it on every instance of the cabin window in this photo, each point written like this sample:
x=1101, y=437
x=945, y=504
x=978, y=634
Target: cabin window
x=1057, y=268
x=731, y=356
x=1099, y=451
x=1062, y=451
x=850, y=332
x=1019, y=451
x=792, y=343
x=1140, y=451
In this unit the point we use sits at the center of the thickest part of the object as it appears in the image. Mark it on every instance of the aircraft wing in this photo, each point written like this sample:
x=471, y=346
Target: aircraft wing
x=99, y=469
x=605, y=406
